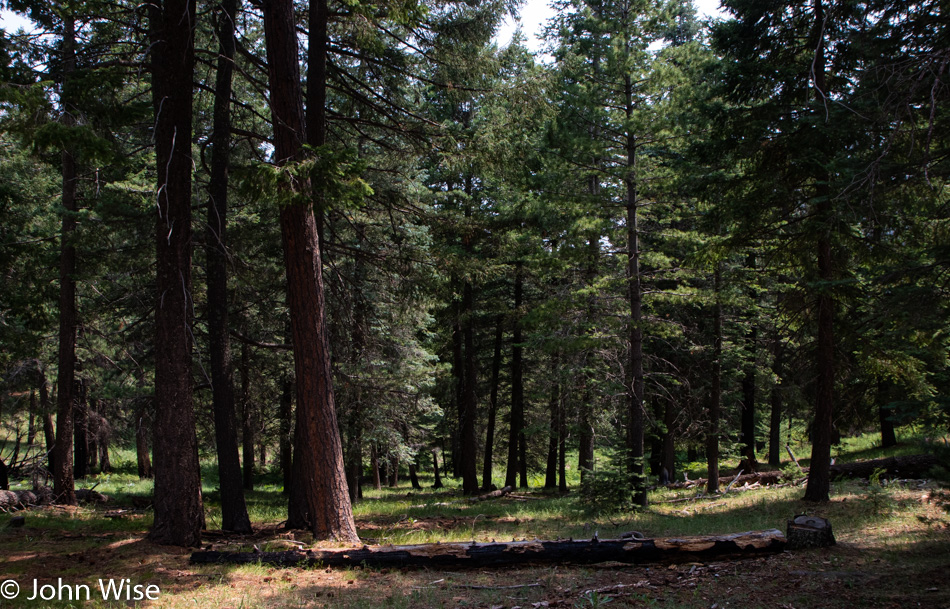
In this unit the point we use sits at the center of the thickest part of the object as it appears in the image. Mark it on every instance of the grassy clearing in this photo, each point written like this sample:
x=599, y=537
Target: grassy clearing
x=894, y=550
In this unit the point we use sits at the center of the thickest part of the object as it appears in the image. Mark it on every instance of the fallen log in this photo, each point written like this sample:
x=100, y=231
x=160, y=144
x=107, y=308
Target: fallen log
x=492, y=495
x=491, y=554
x=764, y=478
x=908, y=466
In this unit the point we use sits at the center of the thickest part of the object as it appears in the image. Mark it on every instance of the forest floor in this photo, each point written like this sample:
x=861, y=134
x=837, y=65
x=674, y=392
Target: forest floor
x=893, y=551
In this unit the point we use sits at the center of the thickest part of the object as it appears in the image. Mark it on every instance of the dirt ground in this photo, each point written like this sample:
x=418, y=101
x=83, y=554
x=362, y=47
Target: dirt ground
x=850, y=574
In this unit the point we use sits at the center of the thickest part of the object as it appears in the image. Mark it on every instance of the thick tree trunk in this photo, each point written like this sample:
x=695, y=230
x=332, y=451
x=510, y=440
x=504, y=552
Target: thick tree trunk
x=233, y=507
x=494, y=554
x=516, y=427
x=715, y=397
x=819, y=480
x=179, y=514
x=64, y=487
x=319, y=498
x=492, y=406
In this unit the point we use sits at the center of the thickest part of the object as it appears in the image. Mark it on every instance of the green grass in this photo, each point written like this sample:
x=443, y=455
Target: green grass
x=886, y=534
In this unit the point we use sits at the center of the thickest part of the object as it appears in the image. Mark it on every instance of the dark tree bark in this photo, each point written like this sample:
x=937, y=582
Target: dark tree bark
x=92, y=433
x=888, y=435
x=819, y=479
x=458, y=373
x=747, y=434
x=392, y=473
x=715, y=397
x=49, y=435
x=413, y=476
x=80, y=429
x=554, y=409
x=31, y=428
x=64, y=487
x=233, y=507
x=468, y=435
x=498, y=554
x=179, y=514
x=516, y=427
x=49, y=425
x=319, y=498
x=635, y=414
x=492, y=406
x=247, y=421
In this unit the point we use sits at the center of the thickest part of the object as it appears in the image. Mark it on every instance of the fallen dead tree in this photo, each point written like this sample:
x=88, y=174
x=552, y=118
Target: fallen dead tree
x=908, y=466
x=763, y=478
x=489, y=554
x=492, y=495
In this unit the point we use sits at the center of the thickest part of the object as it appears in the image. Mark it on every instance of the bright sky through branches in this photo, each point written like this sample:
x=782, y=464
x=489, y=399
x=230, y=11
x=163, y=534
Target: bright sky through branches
x=535, y=13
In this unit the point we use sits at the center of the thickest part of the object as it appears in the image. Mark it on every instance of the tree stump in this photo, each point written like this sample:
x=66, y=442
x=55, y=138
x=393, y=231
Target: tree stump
x=809, y=532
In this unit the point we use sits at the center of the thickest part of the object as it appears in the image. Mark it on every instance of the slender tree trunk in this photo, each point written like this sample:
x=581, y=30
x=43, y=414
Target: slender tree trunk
x=142, y=453
x=492, y=407
x=80, y=437
x=585, y=456
x=554, y=408
x=92, y=434
x=562, y=448
x=775, y=416
x=374, y=466
x=49, y=425
x=179, y=513
x=63, y=482
x=319, y=498
x=233, y=507
x=669, y=448
x=31, y=429
x=888, y=437
x=635, y=415
x=516, y=427
x=435, y=467
x=458, y=373
x=286, y=431
x=413, y=476
x=747, y=438
x=393, y=467
x=469, y=438
x=715, y=397
x=247, y=421
x=819, y=476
